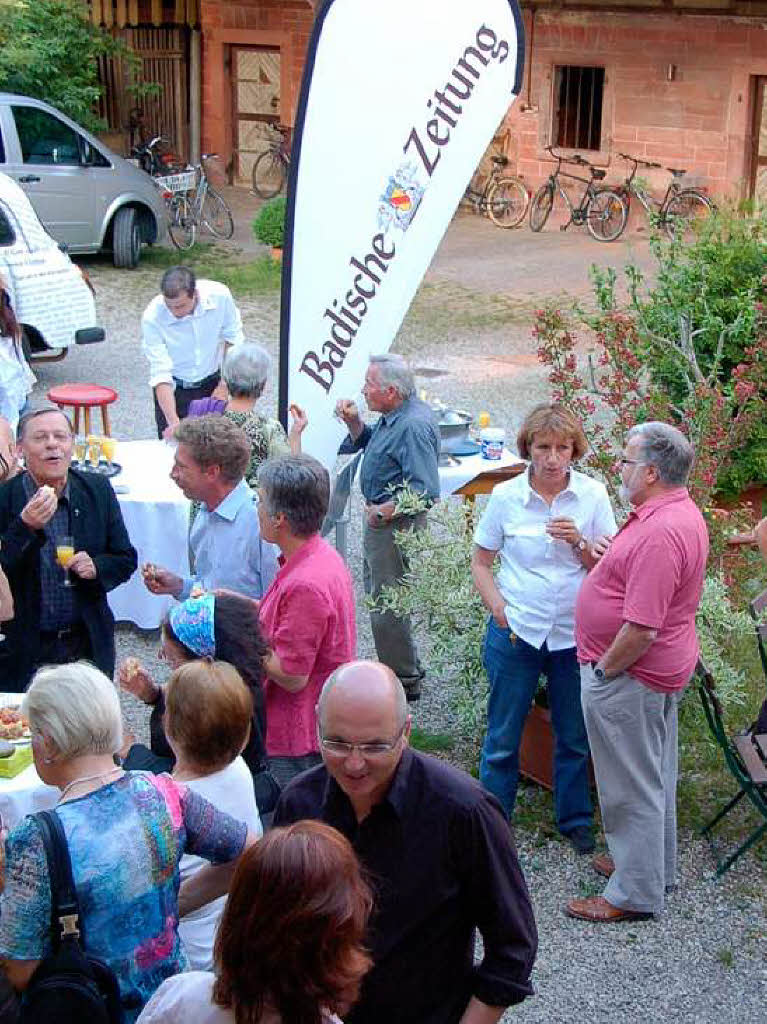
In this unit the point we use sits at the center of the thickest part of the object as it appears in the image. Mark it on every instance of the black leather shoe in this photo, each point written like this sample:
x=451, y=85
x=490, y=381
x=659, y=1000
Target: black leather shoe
x=581, y=839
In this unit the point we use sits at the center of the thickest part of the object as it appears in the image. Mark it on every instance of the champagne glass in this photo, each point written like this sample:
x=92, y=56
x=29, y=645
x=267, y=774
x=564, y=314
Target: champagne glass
x=94, y=451
x=81, y=449
x=65, y=549
x=108, y=445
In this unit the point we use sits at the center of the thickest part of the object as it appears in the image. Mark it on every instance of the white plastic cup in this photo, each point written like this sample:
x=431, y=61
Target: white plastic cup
x=491, y=441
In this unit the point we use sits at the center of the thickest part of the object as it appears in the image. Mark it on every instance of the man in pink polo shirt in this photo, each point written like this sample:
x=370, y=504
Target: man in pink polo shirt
x=306, y=614
x=635, y=634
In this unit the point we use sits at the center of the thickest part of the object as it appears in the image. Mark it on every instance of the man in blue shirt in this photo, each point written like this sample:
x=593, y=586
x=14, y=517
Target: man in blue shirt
x=227, y=549
x=401, y=449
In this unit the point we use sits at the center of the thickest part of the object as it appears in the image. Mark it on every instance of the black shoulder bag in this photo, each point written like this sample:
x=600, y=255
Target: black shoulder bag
x=69, y=985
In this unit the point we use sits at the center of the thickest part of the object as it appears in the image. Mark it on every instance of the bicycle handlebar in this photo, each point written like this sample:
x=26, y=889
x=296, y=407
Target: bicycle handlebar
x=636, y=160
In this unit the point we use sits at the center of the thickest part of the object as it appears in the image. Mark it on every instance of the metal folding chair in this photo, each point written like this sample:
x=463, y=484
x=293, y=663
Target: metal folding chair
x=743, y=756
x=757, y=608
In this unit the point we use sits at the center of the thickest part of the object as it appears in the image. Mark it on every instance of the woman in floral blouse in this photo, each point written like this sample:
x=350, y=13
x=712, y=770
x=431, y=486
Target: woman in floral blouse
x=126, y=833
x=245, y=372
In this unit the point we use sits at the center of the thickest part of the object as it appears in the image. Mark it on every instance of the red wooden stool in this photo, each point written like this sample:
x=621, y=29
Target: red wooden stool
x=85, y=397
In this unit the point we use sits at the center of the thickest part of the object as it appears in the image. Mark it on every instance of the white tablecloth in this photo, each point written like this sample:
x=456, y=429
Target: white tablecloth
x=24, y=795
x=453, y=477
x=156, y=516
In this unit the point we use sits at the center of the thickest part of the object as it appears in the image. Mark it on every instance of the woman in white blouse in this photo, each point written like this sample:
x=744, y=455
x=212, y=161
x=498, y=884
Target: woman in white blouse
x=541, y=525
x=208, y=710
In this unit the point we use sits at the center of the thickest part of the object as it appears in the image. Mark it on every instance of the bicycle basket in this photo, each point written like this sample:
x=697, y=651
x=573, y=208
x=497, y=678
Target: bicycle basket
x=183, y=182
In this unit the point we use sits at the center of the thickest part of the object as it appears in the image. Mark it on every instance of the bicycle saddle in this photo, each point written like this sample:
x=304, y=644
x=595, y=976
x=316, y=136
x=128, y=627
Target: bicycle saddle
x=598, y=175
x=500, y=161
x=676, y=171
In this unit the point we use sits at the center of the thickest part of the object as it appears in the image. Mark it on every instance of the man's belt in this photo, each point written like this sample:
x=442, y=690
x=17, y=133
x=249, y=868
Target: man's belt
x=190, y=385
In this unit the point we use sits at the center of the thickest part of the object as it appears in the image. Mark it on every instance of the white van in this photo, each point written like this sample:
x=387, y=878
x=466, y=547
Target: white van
x=50, y=297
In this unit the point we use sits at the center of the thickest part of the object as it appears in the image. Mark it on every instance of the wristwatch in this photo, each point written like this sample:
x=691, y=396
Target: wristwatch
x=380, y=516
x=599, y=673
x=581, y=545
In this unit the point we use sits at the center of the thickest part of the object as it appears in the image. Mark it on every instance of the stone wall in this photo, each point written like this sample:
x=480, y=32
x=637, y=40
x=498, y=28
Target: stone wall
x=696, y=115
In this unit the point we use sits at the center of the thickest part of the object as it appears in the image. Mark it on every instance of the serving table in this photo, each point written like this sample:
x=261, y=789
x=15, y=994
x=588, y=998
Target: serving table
x=471, y=475
x=156, y=516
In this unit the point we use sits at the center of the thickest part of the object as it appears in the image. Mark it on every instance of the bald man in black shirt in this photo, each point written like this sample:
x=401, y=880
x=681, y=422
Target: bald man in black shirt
x=439, y=854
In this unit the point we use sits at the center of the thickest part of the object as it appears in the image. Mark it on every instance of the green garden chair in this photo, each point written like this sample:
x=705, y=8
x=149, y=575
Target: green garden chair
x=757, y=609
x=743, y=756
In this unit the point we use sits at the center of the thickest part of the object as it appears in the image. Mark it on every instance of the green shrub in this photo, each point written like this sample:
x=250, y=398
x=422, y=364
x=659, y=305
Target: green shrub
x=269, y=222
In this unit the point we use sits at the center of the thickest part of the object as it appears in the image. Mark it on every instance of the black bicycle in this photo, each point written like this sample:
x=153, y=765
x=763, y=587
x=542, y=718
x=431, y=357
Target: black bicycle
x=504, y=199
x=680, y=210
x=602, y=210
x=270, y=170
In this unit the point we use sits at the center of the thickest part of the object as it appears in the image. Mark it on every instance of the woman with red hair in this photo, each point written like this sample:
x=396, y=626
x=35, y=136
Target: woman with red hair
x=289, y=946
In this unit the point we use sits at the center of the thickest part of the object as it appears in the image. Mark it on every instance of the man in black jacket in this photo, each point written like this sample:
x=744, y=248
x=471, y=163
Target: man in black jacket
x=54, y=623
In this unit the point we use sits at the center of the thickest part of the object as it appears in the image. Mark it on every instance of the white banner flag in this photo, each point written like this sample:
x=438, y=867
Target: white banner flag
x=398, y=103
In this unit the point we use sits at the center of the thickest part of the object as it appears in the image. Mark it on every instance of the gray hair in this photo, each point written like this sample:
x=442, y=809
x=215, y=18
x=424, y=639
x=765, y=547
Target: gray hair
x=246, y=369
x=43, y=410
x=667, y=449
x=398, y=690
x=178, y=281
x=395, y=373
x=297, y=487
x=76, y=707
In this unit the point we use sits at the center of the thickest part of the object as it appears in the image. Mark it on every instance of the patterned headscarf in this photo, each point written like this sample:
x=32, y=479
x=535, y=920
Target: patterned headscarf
x=192, y=624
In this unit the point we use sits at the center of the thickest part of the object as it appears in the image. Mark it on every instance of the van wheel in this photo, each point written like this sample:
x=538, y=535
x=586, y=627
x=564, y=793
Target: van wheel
x=126, y=238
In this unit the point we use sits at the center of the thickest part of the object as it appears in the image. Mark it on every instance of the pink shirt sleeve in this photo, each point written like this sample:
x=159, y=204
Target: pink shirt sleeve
x=653, y=572
x=301, y=622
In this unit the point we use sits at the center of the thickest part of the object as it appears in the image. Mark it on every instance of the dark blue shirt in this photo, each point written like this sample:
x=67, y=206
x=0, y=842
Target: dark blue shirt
x=439, y=855
x=58, y=606
x=402, y=447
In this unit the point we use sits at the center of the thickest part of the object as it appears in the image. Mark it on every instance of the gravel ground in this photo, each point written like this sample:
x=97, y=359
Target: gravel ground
x=703, y=960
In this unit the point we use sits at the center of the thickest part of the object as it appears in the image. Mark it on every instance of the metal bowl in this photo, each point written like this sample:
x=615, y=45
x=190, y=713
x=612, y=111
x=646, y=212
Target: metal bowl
x=453, y=429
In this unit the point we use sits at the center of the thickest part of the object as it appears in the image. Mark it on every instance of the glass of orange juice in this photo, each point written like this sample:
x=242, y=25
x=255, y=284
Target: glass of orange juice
x=108, y=445
x=65, y=550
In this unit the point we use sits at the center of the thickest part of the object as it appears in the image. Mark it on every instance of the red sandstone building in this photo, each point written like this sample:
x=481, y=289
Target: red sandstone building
x=683, y=82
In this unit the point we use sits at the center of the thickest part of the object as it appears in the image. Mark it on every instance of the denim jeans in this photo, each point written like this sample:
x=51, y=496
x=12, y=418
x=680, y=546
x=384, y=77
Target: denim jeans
x=513, y=668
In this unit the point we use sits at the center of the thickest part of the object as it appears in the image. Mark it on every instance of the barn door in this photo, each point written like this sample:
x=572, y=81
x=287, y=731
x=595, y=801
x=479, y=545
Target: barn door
x=256, y=105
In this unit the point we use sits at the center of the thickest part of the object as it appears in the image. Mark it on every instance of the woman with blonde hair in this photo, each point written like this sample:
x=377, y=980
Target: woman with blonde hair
x=541, y=525
x=208, y=711
x=289, y=949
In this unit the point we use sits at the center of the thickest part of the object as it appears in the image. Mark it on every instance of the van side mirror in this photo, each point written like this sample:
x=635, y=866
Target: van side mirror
x=87, y=155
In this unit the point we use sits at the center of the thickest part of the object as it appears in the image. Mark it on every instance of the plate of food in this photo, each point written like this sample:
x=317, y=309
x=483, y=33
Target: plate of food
x=13, y=727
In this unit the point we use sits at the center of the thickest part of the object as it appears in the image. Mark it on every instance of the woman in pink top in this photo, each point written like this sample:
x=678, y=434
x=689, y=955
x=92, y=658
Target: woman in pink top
x=307, y=613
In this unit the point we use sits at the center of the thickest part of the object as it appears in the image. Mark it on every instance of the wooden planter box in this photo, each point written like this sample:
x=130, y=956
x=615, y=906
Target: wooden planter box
x=536, y=752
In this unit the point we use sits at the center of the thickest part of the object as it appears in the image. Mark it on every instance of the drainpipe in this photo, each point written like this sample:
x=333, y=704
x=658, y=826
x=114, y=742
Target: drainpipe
x=195, y=91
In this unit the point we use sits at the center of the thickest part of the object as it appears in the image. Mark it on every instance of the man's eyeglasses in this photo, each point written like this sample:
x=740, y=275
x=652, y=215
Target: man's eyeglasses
x=631, y=462
x=340, y=748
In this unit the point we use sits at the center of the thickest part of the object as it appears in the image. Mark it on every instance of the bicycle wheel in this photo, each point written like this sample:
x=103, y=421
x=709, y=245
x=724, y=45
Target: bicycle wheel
x=269, y=174
x=181, y=223
x=507, y=202
x=606, y=215
x=216, y=215
x=540, y=207
x=684, y=214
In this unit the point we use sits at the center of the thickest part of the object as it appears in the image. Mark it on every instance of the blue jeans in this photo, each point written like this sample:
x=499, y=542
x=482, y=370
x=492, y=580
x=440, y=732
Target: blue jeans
x=513, y=668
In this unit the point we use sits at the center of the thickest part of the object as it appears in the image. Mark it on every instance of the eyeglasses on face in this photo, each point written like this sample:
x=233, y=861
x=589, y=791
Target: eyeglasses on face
x=631, y=462
x=378, y=748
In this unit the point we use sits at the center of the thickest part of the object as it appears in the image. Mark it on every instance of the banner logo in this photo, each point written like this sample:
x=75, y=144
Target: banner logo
x=399, y=202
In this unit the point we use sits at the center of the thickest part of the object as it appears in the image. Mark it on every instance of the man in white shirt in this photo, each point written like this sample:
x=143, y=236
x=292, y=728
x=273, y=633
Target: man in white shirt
x=185, y=332
x=225, y=538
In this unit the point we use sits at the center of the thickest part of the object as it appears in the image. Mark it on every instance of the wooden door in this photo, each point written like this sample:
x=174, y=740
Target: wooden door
x=255, y=105
x=758, y=143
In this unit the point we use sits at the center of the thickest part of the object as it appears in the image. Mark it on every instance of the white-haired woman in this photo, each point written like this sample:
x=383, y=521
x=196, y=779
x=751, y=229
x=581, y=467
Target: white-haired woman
x=126, y=833
x=245, y=372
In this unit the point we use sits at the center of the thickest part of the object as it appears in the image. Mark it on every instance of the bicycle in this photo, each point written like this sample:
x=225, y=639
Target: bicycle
x=504, y=200
x=602, y=210
x=679, y=206
x=192, y=203
x=270, y=170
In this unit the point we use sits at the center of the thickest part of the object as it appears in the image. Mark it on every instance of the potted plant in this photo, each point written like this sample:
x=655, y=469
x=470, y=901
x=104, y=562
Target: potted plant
x=269, y=225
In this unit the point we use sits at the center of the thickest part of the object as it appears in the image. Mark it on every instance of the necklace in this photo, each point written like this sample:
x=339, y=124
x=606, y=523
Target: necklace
x=88, y=778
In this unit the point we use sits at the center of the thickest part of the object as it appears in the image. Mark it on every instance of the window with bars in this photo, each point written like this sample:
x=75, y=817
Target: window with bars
x=577, y=114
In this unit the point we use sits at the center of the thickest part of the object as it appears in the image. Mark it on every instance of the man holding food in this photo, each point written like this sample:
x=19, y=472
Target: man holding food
x=63, y=547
